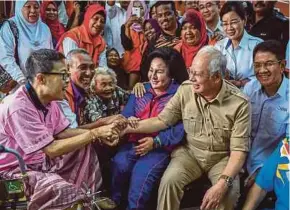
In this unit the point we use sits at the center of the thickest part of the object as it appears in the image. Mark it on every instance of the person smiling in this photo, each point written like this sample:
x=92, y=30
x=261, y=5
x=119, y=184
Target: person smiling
x=193, y=35
x=238, y=46
x=49, y=15
x=34, y=126
x=33, y=35
x=87, y=36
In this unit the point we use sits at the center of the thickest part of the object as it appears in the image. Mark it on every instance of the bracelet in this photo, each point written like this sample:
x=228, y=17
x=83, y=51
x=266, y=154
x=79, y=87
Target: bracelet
x=94, y=137
x=156, y=142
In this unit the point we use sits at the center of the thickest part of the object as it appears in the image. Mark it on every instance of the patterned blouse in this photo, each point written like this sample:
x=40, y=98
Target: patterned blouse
x=96, y=108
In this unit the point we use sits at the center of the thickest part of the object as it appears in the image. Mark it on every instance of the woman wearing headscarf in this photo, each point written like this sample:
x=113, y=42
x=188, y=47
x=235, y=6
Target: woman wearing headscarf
x=193, y=35
x=132, y=38
x=32, y=34
x=87, y=36
x=49, y=15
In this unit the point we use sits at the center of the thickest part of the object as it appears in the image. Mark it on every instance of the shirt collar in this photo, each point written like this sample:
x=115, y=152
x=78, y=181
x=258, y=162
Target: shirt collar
x=79, y=94
x=34, y=99
x=218, y=27
x=283, y=89
x=244, y=43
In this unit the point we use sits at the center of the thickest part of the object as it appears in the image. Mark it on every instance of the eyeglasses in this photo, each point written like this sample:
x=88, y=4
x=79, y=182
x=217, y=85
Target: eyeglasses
x=65, y=76
x=268, y=64
x=196, y=74
x=206, y=6
x=231, y=23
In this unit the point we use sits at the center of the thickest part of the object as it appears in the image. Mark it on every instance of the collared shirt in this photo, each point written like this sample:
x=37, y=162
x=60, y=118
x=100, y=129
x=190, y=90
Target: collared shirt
x=218, y=29
x=240, y=59
x=27, y=127
x=96, y=108
x=270, y=116
x=219, y=126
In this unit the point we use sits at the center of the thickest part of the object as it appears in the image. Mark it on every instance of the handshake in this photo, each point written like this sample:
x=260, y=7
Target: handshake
x=116, y=127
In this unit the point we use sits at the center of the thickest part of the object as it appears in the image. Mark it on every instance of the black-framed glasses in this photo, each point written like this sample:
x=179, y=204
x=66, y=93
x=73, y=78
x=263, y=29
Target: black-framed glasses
x=65, y=76
x=267, y=64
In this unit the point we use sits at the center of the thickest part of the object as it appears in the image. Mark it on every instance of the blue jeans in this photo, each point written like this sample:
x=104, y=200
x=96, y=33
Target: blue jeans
x=141, y=174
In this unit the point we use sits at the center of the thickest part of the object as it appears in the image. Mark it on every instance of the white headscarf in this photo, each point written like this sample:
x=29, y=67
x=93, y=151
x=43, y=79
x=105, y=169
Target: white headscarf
x=34, y=33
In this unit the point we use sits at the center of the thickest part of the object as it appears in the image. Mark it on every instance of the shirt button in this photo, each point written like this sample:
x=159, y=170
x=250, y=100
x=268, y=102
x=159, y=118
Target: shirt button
x=207, y=119
x=208, y=134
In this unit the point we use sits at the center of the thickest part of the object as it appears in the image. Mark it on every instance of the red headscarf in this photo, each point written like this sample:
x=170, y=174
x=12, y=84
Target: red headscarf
x=188, y=52
x=95, y=45
x=56, y=28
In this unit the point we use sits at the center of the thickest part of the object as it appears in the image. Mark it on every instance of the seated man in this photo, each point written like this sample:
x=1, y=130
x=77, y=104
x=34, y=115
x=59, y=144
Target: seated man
x=106, y=98
x=274, y=175
x=59, y=160
x=270, y=101
x=216, y=120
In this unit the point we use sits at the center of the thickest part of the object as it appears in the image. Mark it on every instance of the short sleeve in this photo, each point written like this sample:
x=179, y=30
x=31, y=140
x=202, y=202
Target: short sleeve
x=240, y=137
x=68, y=113
x=59, y=120
x=171, y=114
x=29, y=131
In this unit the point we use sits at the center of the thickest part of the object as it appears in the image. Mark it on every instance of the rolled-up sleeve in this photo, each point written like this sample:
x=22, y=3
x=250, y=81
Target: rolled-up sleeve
x=240, y=137
x=171, y=114
x=7, y=52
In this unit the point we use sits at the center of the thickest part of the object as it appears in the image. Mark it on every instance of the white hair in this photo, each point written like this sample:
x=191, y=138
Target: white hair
x=217, y=63
x=103, y=71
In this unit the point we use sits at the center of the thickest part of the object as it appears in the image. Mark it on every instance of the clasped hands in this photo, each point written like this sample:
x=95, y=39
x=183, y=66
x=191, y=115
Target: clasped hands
x=116, y=127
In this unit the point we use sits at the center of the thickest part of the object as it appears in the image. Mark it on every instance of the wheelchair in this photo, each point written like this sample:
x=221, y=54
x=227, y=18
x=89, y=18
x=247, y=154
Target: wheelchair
x=12, y=191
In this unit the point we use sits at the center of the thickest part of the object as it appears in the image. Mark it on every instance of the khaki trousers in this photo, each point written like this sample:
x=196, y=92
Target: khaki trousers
x=185, y=168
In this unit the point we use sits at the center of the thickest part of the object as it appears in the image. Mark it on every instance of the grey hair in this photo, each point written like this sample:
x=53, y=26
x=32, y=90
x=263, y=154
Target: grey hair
x=73, y=52
x=103, y=71
x=218, y=62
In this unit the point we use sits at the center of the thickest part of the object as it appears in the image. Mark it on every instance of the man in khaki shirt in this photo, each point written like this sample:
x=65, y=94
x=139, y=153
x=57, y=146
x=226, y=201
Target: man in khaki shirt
x=216, y=117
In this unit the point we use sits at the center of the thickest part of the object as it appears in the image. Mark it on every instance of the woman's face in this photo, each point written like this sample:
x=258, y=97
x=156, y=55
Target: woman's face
x=149, y=32
x=190, y=34
x=51, y=12
x=30, y=11
x=233, y=25
x=96, y=24
x=113, y=59
x=138, y=4
x=158, y=75
x=153, y=13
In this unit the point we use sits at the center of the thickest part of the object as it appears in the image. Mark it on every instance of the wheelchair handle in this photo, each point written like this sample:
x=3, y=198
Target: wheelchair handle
x=19, y=158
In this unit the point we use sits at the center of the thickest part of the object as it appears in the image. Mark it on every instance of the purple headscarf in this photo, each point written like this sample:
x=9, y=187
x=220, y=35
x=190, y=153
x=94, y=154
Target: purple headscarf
x=154, y=25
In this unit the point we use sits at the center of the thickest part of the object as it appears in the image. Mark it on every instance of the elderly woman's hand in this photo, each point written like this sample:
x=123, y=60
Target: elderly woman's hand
x=145, y=145
x=139, y=90
x=106, y=133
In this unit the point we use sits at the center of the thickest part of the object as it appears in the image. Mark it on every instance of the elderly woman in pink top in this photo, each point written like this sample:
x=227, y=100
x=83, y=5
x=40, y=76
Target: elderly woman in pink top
x=59, y=160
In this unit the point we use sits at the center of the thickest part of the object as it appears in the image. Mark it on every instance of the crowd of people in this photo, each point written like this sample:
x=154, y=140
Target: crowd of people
x=136, y=99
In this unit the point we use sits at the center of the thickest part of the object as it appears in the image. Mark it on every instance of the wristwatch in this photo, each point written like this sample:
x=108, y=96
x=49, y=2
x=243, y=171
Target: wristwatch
x=229, y=180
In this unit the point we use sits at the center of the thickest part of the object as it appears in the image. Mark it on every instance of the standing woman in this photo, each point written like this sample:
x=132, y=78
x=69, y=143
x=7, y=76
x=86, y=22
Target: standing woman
x=87, y=36
x=49, y=15
x=193, y=35
x=132, y=38
x=238, y=46
x=33, y=35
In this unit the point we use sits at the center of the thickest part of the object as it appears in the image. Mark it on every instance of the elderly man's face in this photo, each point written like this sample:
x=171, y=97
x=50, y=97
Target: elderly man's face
x=203, y=83
x=166, y=17
x=105, y=86
x=268, y=69
x=82, y=70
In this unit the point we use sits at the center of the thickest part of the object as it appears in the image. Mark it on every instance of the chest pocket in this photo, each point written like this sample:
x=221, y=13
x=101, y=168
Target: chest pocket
x=193, y=124
x=277, y=123
x=222, y=133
